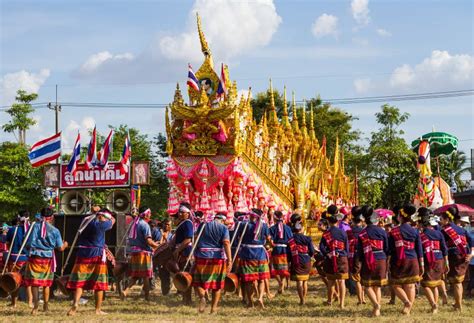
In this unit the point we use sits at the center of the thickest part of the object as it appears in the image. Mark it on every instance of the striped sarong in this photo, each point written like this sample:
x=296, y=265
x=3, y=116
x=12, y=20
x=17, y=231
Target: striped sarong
x=280, y=265
x=209, y=273
x=140, y=265
x=251, y=270
x=38, y=272
x=88, y=274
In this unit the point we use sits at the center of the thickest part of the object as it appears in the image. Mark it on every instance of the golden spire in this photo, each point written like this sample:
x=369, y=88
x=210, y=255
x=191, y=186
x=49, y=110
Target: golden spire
x=273, y=118
x=312, y=134
x=336, y=157
x=304, y=130
x=285, y=119
x=204, y=46
x=178, y=97
x=294, y=119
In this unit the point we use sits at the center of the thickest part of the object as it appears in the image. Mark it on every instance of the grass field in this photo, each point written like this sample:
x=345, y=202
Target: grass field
x=282, y=308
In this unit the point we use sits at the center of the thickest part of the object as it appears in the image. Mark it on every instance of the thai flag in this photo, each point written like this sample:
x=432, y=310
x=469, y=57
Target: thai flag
x=192, y=79
x=91, y=159
x=126, y=154
x=76, y=156
x=45, y=150
x=105, y=151
x=222, y=88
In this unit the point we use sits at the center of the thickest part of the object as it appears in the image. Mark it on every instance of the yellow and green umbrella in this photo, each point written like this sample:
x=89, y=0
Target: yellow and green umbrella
x=441, y=143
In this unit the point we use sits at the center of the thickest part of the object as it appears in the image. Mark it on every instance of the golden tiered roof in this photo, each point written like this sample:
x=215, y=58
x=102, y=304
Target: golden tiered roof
x=285, y=153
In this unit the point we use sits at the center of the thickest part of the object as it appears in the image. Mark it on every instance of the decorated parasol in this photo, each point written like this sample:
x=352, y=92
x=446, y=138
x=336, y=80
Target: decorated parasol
x=384, y=213
x=462, y=209
x=441, y=143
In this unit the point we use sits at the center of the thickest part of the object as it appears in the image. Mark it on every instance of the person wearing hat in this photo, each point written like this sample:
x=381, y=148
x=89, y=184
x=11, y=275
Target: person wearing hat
x=354, y=263
x=183, y=238
x=14, y=239
x=280, y=233
x=212, y=261
x=90, y=267
x=406, y=258
x=41, y=264
x=335, y=249
x=460, y=252
x=141, y=247
x=436, y=257
x=253, y=264
x=302, y=250
x=372, y=252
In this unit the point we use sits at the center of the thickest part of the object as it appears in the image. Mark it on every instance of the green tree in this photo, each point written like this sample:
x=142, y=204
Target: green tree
x=20, y=184
x=19, y=112
x=452, y=167
x=388, y=175
x=261, y=104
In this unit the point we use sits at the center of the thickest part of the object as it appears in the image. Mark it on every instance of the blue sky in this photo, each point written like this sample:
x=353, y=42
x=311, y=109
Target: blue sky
x=337, y=49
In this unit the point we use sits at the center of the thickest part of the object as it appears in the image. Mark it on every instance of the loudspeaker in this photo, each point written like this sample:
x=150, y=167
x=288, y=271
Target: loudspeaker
x=118, y=201
x=74, y=202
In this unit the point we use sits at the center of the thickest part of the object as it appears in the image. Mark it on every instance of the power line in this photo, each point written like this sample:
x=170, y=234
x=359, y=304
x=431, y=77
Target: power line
x=342, y=101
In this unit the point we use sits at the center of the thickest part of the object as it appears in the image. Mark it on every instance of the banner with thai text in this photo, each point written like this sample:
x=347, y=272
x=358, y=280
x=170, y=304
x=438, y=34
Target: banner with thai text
x=94, y=178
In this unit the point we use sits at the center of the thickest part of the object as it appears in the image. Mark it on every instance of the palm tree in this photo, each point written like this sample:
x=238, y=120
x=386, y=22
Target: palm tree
x=453, y=167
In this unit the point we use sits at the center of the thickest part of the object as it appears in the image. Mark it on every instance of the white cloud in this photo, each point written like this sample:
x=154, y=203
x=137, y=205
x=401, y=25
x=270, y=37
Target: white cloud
x=360, y=11
x=95, y=61
x=383, y=33
x=360, y=41
x=325, y=25
x=440, y=71
x=362, y=85
x=12, y=82
x=70, y=133
x=232, y=28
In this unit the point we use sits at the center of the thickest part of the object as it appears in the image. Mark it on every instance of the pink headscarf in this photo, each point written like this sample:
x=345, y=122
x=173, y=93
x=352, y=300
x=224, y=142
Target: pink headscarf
x=133, y=229
x=258, y=224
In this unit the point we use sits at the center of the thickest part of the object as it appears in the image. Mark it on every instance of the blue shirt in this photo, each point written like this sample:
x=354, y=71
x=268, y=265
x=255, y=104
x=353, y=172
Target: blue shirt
x=44, y=247
x=336, y=234
x=435, y=235
x=143, y=233
x=253, y=249
x=303, y=240
x=287, y=235
x=20, y=235
x=375, y=233
x=185, y=230
x=453, y=250
x=156, y=234
x=91, y=241
x=408, y=234
x=213, y=237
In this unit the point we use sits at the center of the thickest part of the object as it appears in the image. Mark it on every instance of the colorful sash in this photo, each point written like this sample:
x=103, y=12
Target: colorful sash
x=400, y=244
x=294, y=251
x=352, y=247
x=428, y=249
x=333, y=245
x=456, y=239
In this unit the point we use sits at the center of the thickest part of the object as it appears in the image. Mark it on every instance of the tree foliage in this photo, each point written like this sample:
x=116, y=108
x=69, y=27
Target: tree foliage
x=20, y=184
x=452, y=168
x=20, y=115
x=388, y=169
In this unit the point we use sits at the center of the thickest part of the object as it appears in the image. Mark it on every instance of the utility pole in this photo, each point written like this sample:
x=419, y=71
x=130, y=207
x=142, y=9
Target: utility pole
x=57, y=109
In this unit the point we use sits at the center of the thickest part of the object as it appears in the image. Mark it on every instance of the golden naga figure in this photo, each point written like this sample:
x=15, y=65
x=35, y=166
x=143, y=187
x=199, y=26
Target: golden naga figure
x=222, y=159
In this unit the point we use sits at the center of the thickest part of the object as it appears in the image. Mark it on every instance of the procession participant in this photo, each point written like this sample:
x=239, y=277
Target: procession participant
x=470, y=285
x=354, y=263
x=372, y=251
x=21, y=226
x=395, y=223
x=141, y=247
x=163, y=273
x=3, y=244
x=436, y=257
x=406, y=258
x=335, y=248
x=280, y=233
x=183, y=238
x=156, y=234
x=213, y=260
x=302, y=250
x=41, y=264
x=90, y=267
x=253, y=264
x=460, y=252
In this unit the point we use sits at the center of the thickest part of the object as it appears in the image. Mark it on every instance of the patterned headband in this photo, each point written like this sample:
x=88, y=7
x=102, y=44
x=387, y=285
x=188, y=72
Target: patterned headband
x=403, y=213
x=450, y=215
x=145, y=213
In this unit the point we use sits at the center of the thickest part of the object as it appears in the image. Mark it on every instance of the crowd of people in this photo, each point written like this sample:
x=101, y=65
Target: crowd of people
x=361, y=249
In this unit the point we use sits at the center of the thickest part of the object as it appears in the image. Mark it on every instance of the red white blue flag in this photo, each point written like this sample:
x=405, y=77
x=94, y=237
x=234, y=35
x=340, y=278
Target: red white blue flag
x=91, y=160
x=192, y=79
x=105, y=151
x=222, y=88
x=126, y=155
x=76, y=156
x=45, y=150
